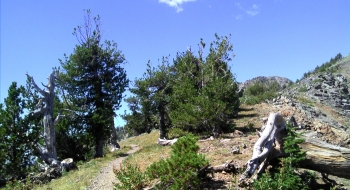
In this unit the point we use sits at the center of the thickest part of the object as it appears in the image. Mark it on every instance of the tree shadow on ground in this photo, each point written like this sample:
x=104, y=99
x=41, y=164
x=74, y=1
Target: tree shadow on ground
x=245, y=109
x=119, y=155
x=211, y=184
x=239, y=116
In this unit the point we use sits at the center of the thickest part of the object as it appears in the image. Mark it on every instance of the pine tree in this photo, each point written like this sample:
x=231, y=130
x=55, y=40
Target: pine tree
x=95, y=80
x=204, y=94
x=17, y=133
x=150, y=100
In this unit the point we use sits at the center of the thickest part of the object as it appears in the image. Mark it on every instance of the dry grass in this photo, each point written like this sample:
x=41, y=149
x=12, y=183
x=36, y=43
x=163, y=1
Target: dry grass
x=81, y=178
x=149, y=151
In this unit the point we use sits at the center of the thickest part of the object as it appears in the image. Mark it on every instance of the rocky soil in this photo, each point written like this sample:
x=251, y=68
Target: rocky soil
x=106, y=178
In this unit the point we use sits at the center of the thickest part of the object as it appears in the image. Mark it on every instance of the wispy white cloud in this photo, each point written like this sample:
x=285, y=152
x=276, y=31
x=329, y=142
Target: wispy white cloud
x=175, y=3
x=239, y=17
x=252, y=11
x=239, y=6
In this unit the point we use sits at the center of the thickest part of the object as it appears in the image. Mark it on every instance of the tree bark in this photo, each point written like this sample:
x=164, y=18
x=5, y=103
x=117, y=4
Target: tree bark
x=48, y=153
x=165, y=142
x=161, y=111
x=273, y=133
x=99, y=148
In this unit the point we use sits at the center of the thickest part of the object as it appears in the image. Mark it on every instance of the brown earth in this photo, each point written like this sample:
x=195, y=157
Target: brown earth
x=106, y=178
x=249, y=120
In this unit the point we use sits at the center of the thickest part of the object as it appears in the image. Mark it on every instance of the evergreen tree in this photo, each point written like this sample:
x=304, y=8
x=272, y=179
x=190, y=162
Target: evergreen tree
x=72, y=138
x=149, y=105
x=194, y=93
x=94, y=80
x=17, y=133
x=204, y=94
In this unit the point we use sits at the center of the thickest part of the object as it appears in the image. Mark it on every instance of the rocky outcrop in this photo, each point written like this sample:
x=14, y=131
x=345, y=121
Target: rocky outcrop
x=329, y=90
x=314, y=117
x=281, y=81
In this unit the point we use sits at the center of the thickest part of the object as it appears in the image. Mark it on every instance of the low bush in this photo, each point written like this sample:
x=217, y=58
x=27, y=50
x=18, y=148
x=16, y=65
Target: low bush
x=179, y=171
x=130, y=177
x=260, y=92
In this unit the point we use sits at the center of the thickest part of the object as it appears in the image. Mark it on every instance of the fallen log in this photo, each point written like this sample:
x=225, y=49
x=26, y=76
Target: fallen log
x=320, y=156
x=264, y=149
x=226, y=167
x=165, y=142
x=325, y=157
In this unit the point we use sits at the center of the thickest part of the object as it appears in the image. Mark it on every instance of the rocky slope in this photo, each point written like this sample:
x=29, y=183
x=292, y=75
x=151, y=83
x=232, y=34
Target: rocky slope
x=281, y=81
x=320, y=102
x=325, y=100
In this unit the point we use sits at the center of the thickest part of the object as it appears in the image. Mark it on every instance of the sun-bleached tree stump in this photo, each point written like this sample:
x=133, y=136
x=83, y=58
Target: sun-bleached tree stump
x=268, y=146
x=165, y=142
x=45, y=109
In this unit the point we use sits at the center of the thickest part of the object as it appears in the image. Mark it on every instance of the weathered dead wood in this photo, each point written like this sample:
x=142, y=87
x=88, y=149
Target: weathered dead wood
x=320, y=156
x=226, y=167
x=273, y=134
x=45, y=108
x=165, y=142
x=211, y=138
x=68, y=164
x=325, y=157
x=48, y=154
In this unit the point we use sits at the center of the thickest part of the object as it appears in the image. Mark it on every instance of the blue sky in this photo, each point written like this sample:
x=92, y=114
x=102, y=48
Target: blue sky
x=270, y=38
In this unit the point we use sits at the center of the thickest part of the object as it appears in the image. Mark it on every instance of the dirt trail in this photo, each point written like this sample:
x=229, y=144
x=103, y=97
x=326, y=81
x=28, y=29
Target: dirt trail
x=106, y=178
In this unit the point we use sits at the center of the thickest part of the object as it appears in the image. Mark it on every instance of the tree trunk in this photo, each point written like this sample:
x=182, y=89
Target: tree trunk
x=48, y=153
x=274, y=132
x=99, y=148
x=161, y=111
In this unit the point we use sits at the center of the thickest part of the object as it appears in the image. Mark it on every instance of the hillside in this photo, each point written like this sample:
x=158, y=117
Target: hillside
x=325, y=117
x=320, y=104
x=281, y=81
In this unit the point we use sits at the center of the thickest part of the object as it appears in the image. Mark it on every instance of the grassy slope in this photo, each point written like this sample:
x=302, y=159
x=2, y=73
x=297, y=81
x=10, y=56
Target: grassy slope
x=80, y=179
x=217, y=151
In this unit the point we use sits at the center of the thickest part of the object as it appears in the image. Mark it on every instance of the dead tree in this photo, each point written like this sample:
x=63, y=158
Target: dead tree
x=45, y=108
x=320, y=156
x=264, y=149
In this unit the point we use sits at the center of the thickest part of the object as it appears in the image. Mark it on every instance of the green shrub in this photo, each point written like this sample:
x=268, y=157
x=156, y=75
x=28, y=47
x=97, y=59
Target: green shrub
x=130, y=177
x=20, y=185
x=260, y=92
x=180, y=171
x=302, y=89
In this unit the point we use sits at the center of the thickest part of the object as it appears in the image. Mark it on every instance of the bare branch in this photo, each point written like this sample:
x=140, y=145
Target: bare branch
x=38, y=112
x=42, y=92
x=58, y=118
x=44, y=85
